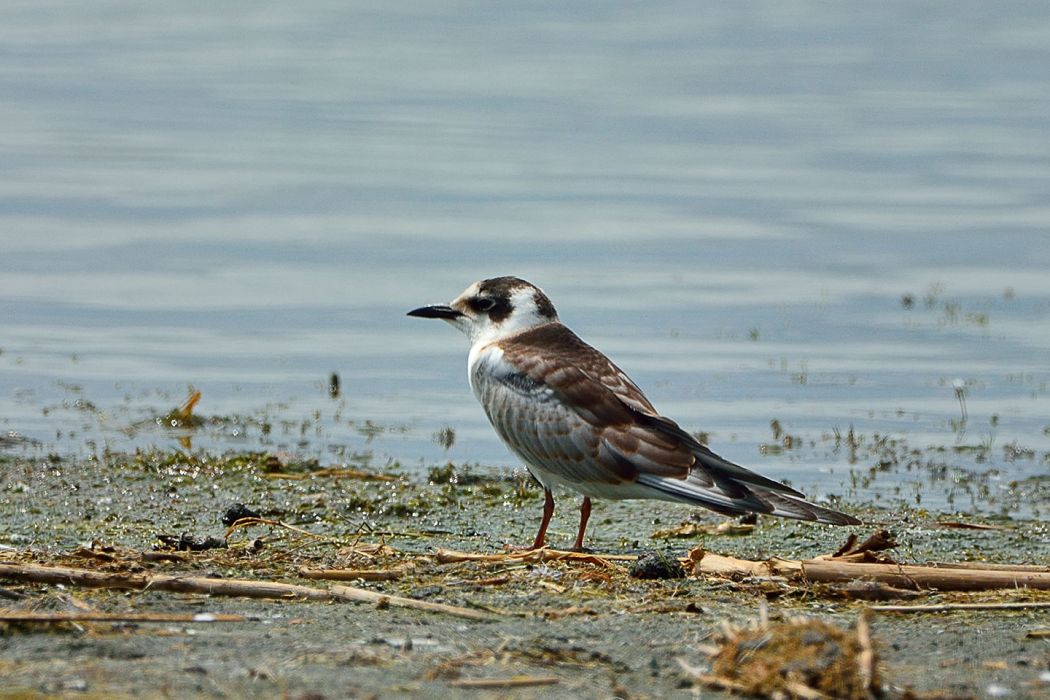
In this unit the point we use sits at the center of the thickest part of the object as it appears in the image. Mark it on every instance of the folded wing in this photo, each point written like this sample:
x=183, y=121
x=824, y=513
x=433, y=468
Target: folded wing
x=568, y=411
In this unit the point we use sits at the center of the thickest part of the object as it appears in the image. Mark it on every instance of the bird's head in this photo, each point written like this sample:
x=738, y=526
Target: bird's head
x=494, y=308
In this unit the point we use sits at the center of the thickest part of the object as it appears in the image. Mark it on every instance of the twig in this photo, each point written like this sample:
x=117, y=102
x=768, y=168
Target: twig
x=392, y=574
x=447, y=556
x=955, y=524
x=332, y=472
x=384, y=599
x=878, y=541
x=871, y=591
x=54, y=617
x=512, y=682
x=344, y=473
x=866, y=655
x=1039, y=633
x=493, y=581
x=913, y=576
x=985, y=566
x=214, y=586
x=801, y=690
x=710, y=680
x=247, y=522
x=160, y=582
x=945, y=607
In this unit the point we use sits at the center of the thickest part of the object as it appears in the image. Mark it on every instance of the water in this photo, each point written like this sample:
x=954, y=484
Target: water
x=733, y=201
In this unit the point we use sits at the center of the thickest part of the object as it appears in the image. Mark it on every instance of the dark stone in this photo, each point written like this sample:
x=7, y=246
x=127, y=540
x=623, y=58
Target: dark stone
x=236, y=512
x=653, y=565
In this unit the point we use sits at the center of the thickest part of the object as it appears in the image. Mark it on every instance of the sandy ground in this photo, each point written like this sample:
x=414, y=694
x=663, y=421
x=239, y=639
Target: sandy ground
x=599, y=632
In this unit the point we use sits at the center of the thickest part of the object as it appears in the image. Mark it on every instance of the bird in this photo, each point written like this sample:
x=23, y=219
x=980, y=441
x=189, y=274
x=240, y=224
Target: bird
x=577, y=420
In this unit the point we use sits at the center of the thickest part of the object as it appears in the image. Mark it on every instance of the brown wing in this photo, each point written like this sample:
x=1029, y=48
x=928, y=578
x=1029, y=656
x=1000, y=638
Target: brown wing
x=585, y=386
x=553, y=354
x=635, y=439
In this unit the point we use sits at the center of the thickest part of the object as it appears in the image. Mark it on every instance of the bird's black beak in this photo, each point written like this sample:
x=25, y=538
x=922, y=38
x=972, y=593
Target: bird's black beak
x=435, y=311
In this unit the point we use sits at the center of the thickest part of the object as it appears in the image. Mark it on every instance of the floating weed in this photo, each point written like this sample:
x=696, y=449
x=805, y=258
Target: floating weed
x=446, y=437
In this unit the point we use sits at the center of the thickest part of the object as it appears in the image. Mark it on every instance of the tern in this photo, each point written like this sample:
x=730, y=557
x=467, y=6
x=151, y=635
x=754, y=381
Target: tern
x=577, y=420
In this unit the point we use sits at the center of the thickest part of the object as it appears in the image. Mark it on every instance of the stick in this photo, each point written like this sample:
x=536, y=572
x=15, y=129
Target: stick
x=14, y=616
x=352, y=474
x=944, y=607
x=879, y=540
x=248, y=522
x=801, y=690
x=494, y=581
x=512, y=682
x=913, y=576
x=866, y=655
x=354, y=574
x=161, y=582
x=447, y=556
x=365, y=596
x=970, y=526
x=710, y=680
x=214, y=586
x=985, y=566
x=330, y=472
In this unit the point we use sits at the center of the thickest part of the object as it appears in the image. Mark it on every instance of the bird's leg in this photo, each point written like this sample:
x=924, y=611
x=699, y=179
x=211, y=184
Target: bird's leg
x=548, y=511
x=585, y=513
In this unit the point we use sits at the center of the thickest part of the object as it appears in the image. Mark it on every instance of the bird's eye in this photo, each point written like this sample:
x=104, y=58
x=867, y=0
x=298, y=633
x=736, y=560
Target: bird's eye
x=482, y=304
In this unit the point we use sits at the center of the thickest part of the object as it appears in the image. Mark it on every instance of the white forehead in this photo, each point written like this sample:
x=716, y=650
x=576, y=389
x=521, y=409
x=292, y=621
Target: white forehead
x=471, y=291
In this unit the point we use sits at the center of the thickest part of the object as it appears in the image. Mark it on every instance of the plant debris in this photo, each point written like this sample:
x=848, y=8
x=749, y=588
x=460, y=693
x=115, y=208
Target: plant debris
x=862, y=563
x=798, y=658
x=182, y=417
x=189, y=543
x=880, y=540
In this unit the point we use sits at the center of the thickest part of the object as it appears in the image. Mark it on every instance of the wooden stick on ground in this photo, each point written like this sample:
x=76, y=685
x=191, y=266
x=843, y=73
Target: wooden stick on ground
x=945, y=607
x=512, y=682
x=217, y=586
x=945, y=578
x=161, y=582
x=54, y=617
x=447, y=556
x=391, y=574
x=866, y=656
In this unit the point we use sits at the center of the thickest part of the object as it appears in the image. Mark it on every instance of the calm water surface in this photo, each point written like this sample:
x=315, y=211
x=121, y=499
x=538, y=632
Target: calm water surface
x=827, y=215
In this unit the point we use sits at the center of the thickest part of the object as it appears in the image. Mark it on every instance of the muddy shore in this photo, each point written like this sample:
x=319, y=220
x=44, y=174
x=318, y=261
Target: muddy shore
x=590, y=631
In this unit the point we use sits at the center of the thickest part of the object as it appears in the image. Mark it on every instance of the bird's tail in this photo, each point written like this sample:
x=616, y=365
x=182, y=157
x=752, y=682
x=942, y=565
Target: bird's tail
x=736, y=498
x=800, y=509
x=716, y=483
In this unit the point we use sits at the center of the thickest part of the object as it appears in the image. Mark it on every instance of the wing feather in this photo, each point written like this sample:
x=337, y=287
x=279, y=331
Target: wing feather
x=575, y=418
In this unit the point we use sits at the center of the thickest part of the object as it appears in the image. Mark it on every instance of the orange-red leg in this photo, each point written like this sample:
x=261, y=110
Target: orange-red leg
x=585, y=514
x=548, y=511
